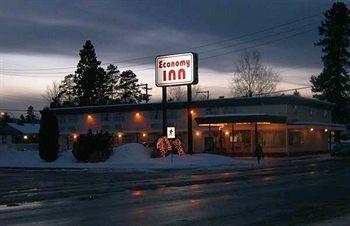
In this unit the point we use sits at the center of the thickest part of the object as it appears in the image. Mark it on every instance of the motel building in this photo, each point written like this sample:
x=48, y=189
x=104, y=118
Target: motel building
x=284, y=125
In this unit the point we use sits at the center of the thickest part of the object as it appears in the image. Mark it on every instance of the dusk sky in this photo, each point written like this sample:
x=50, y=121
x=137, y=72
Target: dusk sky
x=40, y=40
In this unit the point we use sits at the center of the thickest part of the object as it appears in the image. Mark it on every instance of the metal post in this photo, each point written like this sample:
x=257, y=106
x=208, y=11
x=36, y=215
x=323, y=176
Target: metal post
x=233, y=137
x=164, y=110
x=330, y=141
x=256, y=135
x=189, y=120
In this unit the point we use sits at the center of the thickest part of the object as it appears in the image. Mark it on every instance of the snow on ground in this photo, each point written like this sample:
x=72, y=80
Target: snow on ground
x=125, y=157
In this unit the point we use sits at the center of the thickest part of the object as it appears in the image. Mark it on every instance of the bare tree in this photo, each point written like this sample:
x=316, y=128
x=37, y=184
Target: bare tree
x=251, y=77
x=52, y=92
x=179, y=93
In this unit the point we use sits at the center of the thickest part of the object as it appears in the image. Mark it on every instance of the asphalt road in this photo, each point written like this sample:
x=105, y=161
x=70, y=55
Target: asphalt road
x=296, y=194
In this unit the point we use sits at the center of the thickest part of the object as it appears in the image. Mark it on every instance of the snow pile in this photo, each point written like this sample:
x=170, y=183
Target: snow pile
x=125, y=157
x=130, y=153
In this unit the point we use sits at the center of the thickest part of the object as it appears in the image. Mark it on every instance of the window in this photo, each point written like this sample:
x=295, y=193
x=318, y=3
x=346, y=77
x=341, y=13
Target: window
x=119, y=116
x=155, y=126
x=118, y=126
x=272, y=139
x=72, y=129
x=62, y=119
x=156, y=115
x=105, y=117
x=295, y=138
x=62, y=129
x=172, y=114
x=72, y=118
x=228, y=110
x=3, y=140
x=242, y=136
x=325, y=114
x=105, y=128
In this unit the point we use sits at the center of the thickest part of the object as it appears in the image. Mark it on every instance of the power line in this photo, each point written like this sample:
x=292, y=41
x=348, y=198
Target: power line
x=205, y=51
x=221, y=54
x=190, y=48
x=245, y=48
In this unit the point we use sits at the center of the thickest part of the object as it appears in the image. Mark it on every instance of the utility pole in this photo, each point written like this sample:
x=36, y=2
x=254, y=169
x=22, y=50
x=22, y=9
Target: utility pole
x=146, y=96
x=204, y=92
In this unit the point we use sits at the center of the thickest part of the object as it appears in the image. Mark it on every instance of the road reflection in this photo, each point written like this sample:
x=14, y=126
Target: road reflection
x=137, y=193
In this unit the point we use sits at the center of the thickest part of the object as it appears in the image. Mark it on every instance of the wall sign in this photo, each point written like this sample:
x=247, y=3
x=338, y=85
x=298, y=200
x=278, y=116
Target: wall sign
x=177, y=69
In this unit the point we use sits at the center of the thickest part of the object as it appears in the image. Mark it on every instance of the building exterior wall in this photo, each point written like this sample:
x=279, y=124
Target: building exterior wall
x=146, y=126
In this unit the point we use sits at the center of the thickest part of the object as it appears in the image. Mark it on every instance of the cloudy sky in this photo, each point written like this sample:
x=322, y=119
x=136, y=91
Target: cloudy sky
x=40, y=40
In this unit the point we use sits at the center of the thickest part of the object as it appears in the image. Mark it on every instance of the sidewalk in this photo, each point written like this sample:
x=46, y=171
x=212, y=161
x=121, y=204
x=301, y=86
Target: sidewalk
x=277, y=161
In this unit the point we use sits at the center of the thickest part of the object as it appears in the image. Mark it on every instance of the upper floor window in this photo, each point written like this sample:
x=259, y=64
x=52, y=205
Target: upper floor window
x=105, y=117
x=156, y=115
x=325, y=114
x=119, y=116
x=105, y=128
x=311, y=112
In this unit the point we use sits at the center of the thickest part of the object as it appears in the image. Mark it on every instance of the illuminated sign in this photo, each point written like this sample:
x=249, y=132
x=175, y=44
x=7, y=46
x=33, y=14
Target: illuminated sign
x=177, y=69
x=170, y=132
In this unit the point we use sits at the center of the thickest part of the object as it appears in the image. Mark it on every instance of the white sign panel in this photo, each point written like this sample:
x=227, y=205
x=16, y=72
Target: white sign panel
x=178, y=69
x=171, y=132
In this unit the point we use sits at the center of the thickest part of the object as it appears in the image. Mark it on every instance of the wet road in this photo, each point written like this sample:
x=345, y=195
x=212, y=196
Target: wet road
x=295, y=194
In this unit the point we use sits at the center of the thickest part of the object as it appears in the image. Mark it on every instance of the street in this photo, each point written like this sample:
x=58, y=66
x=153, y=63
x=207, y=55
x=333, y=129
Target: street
x=293, y=194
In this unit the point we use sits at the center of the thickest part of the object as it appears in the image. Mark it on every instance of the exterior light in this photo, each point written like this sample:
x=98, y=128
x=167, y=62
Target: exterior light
x=197, y=133
x=2, y=113
x=227, y=133
x=311, y=129
x=75, y=136
x=137, y=114
x=89, y=117
x=192, y=112
x=120, y=135
x=25, y=137
x=326, y=130
x=144, y=134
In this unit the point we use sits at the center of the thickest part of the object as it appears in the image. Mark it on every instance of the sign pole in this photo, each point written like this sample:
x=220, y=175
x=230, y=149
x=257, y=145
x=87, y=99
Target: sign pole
x=189, y=120
x=165, y=115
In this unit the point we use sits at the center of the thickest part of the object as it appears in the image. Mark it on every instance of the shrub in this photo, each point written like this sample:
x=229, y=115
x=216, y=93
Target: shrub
x=165, y=146
x=48, y=136
x=93, y=147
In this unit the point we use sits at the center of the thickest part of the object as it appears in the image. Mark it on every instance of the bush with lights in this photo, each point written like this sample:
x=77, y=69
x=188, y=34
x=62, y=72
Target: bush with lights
x=165, y=146
x=92, y=147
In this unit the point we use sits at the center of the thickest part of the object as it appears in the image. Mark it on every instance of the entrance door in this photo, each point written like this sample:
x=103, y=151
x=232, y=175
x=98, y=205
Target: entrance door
x=208, y=144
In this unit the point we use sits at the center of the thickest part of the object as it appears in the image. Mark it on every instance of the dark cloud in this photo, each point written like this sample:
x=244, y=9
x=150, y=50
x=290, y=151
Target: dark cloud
x=127, y=29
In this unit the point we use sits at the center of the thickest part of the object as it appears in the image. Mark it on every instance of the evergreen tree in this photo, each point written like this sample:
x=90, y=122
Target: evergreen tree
x=128, y=89
x=30, y=117
x=21, y=120
x=333, y=83
x=90, y=80
x=48, y=136
x=109, y=80
x=6, y=118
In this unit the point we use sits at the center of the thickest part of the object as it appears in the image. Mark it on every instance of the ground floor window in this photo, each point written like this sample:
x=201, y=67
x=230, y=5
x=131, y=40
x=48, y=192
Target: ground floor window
x=272, y=139
x=295, y=138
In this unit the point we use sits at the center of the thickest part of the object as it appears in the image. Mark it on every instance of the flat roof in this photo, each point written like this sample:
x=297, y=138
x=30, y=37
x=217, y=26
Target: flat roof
x=233, y=118
x=242, y=101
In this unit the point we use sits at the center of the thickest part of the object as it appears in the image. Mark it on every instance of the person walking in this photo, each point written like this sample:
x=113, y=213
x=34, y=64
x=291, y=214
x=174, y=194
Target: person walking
x=259, y=153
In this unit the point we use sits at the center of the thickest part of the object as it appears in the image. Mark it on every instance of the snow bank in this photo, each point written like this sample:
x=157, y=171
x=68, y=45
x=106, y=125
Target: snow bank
x=125, y=157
